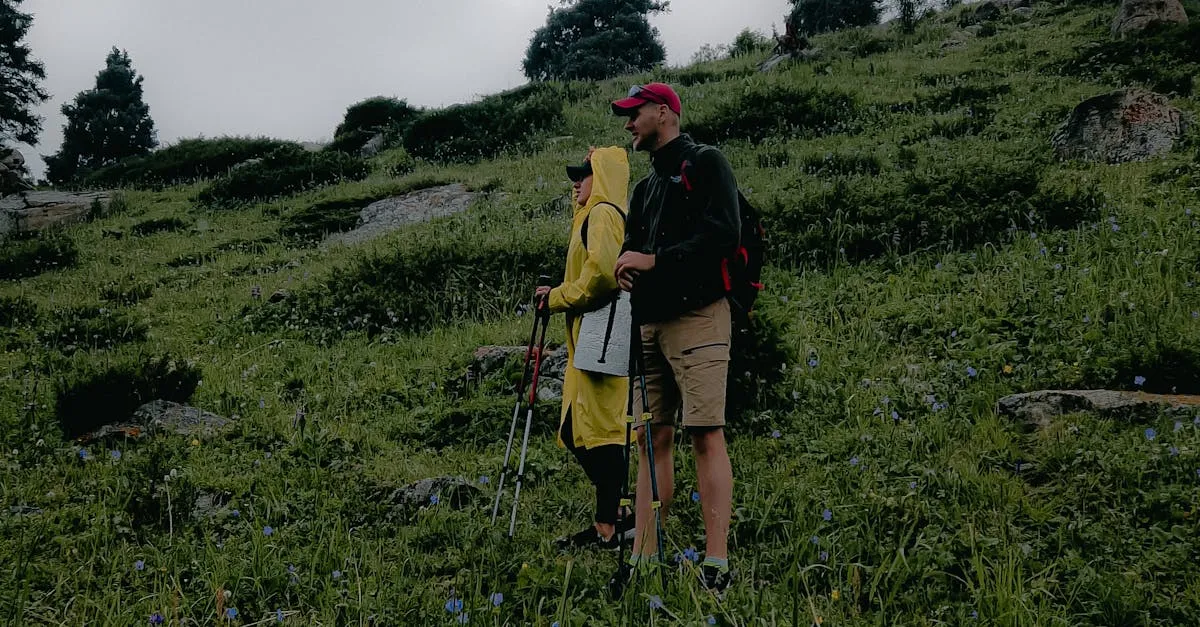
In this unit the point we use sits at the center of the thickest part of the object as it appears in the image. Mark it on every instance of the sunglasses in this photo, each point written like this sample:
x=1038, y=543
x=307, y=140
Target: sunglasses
x=639, y=91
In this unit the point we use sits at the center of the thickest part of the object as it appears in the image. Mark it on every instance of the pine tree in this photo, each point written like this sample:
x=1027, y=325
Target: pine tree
x=595, y=39
x=105, y=124
x=20, y=78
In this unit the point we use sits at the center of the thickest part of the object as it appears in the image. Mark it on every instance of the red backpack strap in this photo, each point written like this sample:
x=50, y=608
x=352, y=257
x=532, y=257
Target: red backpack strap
x=687, y=185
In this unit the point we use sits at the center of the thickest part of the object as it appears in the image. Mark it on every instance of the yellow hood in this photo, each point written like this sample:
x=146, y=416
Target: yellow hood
x=610, y=178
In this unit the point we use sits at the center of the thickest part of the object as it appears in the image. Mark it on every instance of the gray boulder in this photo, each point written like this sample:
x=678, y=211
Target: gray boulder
x=1124, y=125
x=373, y=146
x=390, y=214
x=990, y=10
x=1134, y=16
x=452, y=492
x=491, y=359
x=161, y=416
x=31, y=211
x=1038, y=409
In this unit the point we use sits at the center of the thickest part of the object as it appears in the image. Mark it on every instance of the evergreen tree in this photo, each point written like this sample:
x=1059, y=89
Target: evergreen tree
x=105, y=124
x=20, y=77
x=595, y=39
x=818, y=16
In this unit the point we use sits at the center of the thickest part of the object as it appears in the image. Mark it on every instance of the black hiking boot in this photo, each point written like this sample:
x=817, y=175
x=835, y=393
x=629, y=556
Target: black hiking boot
x=620, y=581
x=715, y=579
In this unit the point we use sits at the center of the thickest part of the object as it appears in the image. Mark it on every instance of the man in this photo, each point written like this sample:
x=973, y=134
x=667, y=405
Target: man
x=683, y=223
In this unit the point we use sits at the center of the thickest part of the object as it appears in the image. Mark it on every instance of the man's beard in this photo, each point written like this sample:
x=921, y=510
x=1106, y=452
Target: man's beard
x=646, y=143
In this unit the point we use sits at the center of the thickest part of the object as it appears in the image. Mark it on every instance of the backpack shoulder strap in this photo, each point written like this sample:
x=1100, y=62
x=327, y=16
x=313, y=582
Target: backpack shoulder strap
x=583, y=230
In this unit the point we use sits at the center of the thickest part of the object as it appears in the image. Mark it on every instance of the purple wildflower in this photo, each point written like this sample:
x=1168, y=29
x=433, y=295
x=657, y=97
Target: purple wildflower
x=827, y=515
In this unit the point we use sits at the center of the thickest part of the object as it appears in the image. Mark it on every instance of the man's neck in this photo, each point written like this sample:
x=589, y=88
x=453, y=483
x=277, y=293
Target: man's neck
x=666, y=138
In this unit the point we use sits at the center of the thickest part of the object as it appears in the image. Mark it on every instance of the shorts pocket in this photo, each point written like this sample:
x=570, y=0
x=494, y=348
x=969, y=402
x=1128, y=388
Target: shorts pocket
x=705, y=353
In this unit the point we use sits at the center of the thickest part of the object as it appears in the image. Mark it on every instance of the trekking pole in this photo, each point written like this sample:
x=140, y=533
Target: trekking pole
x=655, y=503
x=542, y=280
x=543, y=310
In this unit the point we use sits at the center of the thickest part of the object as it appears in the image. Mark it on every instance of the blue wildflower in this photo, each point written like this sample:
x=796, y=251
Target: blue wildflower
x=1174, y=451
x=812, y=363
x=971, y=372
x=1151, y=433
x=434, y=499
x=824, y=556
x=139, y=565
x=464, y=618
x=815, y=540
x=854, y=461
x=267, y=531
x=912, y=485
x=691, y=555
x=231, y=613
x=1139, y=380
x=262, y=403
x=877, y=412
x=974, y=614
x=776, y=434
x=1115, y=228
x=1178, y=426
x=83, y=454
x=337, y=574
x=1058, y=266
x=157, y=619
x=116, y=455
x=484, y=479
x=937, y=266
x=895, y=415
x=696, y=497
x=712, y=620
x=1033, y=236
x=827, y=515
x=656, y=603
x=454, y=606
x=292, y=568
x=1087, y=319
x=235, y=513
x=279, y=616
x=497, y=599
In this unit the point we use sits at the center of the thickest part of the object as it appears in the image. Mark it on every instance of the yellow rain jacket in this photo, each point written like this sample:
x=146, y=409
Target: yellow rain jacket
x=597, y=402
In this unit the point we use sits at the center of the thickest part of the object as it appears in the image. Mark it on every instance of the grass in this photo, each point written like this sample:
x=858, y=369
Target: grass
x=942, y=512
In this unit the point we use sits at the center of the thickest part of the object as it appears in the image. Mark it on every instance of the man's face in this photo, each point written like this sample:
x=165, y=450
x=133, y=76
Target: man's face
x=643, y=126
x=583, y=190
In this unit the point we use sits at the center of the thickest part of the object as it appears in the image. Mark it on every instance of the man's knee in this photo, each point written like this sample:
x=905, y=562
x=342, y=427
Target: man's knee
x=664, y=437
x=705, y=439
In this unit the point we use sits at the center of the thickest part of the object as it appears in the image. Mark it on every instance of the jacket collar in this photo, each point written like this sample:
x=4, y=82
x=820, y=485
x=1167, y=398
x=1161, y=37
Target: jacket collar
x=666, y=160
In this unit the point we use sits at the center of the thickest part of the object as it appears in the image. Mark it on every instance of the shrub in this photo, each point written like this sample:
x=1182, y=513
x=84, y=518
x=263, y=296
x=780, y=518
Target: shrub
x=1163, y=58
x=749, y=42
x=37, y=253
x=759, y=357
x=100, y=393
x=158, y=225
x=189, y=160
x=415, y=288
x=91, y=327
x=17, y=311
x=855, y=219
x=127, y=292
x=468, y=132
x=365, y=119
x=283, y=172
x=766, y=111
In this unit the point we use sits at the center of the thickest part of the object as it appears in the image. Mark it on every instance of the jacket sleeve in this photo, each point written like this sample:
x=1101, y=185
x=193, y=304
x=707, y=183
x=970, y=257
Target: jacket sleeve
x=596, y=281
x=719, y=226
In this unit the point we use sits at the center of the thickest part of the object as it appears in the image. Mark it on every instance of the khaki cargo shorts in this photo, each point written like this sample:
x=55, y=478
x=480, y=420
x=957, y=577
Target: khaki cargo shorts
x=687, y=360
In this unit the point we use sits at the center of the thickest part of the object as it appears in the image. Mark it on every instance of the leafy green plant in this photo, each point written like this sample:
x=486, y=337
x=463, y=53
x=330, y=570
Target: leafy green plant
x=284, y=172
x=34, y=254
x=97, y=393
x=469, y=132
x=763, y=111
x=185, y=161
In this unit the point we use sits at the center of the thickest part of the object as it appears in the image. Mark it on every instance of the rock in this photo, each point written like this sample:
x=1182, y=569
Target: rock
x=489, y=359
x=164, y=417
x=1134, y=16
x=807, y=54
x=990, y=10
x=389, y=214
x=1037, y=409
x=23, y=510
x=1025, y=12
x=210, y=505
x=12, y=171
x=373, y=146
x=1124, y=125
x=549, y=389
x=279, y=296
x=952, y=44
x=452, y=492
x=38, y=210
x=974, y=29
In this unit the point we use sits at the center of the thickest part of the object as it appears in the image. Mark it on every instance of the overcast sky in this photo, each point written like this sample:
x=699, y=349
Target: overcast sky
x=289, y=68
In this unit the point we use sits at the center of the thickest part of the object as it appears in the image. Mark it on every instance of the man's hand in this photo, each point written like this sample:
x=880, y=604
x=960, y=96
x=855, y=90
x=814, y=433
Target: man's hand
x=630, y=265
x=542, y=291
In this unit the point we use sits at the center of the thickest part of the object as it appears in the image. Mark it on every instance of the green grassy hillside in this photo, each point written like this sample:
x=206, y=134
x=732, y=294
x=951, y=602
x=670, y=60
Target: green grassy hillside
x=929, y=256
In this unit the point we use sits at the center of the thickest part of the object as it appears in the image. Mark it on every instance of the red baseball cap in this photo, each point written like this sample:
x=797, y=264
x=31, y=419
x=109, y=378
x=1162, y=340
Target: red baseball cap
x=655, y=93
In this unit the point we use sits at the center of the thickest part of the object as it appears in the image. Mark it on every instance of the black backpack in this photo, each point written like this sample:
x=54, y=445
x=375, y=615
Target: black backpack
x=742, y=268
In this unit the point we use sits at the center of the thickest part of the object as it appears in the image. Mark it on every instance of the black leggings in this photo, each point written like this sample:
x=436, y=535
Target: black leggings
x=605, y=468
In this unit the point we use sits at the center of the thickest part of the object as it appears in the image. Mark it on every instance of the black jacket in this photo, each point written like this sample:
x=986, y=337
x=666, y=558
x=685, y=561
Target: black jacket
x=690, y=233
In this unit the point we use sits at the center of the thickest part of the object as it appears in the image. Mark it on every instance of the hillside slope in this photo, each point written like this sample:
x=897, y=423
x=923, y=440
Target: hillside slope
x=929, y=256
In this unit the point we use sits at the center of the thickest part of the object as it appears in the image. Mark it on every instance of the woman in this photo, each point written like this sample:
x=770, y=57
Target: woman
x=592, y=422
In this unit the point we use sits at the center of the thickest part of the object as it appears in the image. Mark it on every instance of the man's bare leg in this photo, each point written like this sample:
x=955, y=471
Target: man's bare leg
x=715, y=477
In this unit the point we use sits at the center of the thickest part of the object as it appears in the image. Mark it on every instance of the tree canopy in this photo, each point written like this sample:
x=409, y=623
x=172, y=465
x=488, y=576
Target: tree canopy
x=818, y=16
x=20, y=77
x=595, y=39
